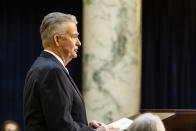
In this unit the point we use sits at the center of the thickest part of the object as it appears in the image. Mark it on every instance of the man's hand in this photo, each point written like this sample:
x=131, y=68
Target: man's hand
x=94, y=124
x=107, y=128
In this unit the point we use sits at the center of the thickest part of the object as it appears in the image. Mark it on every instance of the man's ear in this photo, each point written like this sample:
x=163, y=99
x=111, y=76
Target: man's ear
x=56, y=39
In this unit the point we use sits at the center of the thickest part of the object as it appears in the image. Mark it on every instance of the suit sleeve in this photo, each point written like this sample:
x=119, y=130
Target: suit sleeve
x=56, y=101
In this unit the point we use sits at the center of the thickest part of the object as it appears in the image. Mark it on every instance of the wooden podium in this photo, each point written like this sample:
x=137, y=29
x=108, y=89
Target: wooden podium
x=174, y=119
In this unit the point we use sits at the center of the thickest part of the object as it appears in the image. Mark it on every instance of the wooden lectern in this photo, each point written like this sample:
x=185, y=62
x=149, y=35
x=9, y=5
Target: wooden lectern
x=174, y=119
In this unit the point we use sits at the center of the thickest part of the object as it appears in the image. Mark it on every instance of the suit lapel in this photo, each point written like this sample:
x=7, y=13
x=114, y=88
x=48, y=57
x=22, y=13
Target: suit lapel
x=48, y=55
x=73, y=83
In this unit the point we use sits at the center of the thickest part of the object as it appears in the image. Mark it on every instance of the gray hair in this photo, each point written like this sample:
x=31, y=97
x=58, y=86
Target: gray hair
x=53, y=23
x=147, y=122
x=5, y=123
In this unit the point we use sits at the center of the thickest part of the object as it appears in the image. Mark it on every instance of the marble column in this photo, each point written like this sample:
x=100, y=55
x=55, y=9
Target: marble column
x=111, y=58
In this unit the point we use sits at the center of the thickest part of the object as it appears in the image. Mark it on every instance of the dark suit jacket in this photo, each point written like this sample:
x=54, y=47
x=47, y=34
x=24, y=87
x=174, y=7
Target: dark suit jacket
x=51, y=99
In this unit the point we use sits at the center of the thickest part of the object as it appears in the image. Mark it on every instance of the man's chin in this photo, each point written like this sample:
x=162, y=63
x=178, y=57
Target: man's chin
x=75, y=56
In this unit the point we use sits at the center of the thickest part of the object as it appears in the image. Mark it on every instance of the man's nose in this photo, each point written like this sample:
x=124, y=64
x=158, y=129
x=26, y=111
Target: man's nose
x=78, y=43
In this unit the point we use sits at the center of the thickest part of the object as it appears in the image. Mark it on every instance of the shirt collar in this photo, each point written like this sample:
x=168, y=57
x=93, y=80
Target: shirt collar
x=58, y=58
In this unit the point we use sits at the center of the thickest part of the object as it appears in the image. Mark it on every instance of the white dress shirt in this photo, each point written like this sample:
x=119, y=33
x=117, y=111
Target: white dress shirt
x=58, y=58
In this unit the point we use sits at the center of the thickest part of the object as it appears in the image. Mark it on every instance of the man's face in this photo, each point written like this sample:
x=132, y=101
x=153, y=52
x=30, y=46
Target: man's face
x=69, y=42
x=11, y=127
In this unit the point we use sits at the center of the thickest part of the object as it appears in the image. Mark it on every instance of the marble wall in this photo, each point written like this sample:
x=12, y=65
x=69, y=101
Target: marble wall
x=111, y=58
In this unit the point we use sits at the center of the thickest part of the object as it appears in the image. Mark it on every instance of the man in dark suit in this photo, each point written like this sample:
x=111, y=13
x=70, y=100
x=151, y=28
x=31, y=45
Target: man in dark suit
x=52, y=101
